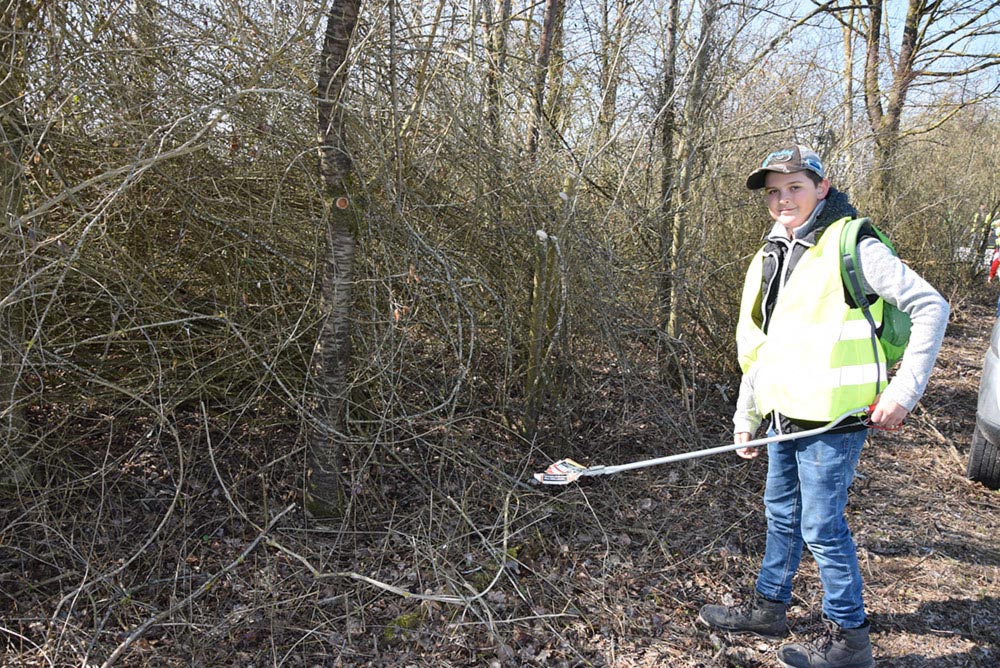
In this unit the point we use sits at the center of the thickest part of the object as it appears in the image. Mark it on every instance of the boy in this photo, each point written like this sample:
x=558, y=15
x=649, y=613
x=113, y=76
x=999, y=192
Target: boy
x=808, y=357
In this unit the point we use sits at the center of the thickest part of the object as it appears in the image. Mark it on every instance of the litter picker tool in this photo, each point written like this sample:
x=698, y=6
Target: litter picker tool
x=565, y=471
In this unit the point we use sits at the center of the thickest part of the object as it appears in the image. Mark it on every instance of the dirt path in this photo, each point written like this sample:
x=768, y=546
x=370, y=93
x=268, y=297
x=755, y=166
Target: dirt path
x=929, y=539
x=657, y=546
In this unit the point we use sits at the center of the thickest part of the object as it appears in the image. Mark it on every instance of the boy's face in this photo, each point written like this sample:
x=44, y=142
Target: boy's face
x=791, y=198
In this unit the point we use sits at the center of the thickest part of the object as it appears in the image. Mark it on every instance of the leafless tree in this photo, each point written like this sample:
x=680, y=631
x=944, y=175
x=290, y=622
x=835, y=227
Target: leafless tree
x=928, y=59
x=334, y=348
x=496, y=27
x=615, y=35
x=551, y=25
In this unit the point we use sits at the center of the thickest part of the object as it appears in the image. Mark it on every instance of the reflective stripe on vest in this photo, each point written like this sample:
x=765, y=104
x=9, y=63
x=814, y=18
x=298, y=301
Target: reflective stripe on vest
x=816, y=360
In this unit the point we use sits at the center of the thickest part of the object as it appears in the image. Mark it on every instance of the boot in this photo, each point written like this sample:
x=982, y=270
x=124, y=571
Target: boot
x=759, y=616
x=837, y=648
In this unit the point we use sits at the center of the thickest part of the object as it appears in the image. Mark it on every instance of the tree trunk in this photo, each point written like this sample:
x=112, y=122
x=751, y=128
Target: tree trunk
x=543, y=329
x=325, y=493
x=668, y=139
x=847, y=135
x=688, y=144
x=553, y=10
x=14, y=20
x=496, y=48
x=555, y=98
x=612, y=47
x=885, y=121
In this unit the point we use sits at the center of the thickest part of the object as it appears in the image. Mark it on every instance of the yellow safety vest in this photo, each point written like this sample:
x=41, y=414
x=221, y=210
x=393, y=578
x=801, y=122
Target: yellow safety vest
x=816, y=360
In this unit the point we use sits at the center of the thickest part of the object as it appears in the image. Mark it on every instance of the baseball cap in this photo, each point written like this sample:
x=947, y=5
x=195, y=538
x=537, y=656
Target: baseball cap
x=787, y=160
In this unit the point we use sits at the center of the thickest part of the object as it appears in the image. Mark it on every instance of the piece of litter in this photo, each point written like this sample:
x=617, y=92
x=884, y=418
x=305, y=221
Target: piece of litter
x=562, y=472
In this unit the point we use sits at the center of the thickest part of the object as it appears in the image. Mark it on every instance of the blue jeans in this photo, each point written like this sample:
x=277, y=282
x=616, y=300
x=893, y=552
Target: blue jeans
x=805, y=498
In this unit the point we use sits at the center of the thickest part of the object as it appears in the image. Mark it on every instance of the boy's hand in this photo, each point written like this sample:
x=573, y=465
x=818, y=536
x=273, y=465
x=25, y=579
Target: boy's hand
x=888, y=414
x=745, y=453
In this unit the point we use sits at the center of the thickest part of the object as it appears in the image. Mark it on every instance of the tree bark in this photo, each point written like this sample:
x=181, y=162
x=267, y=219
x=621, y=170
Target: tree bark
x=334, y=347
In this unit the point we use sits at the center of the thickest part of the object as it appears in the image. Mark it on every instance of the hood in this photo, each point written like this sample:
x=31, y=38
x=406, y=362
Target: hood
x=831, y=208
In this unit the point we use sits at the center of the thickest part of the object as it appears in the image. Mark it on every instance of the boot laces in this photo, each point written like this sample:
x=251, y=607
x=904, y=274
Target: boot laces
x=831, y=634
x=748, y=607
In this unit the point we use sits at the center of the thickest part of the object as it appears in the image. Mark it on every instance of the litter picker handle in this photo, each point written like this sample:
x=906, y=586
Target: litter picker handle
x=604, y=470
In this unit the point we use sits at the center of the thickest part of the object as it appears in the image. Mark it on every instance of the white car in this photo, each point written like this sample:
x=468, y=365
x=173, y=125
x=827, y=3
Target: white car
x=984, y=456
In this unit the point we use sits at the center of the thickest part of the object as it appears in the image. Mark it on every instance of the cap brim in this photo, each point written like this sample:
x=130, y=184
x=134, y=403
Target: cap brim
x=756, y=179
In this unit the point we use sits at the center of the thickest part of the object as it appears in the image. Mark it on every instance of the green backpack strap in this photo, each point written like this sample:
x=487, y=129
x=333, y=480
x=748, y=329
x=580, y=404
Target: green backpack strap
x=850, y=266
x=850, y=271
x=850, y=262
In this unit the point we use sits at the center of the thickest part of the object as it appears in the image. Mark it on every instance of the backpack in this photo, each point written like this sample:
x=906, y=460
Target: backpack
x=895, y=331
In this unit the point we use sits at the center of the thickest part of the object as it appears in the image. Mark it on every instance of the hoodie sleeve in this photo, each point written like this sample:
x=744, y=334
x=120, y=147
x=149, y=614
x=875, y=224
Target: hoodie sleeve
x=887, y=276
x=746, y=418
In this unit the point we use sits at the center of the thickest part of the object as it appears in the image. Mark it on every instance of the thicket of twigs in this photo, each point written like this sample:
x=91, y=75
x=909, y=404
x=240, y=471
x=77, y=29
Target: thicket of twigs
x=162, y=305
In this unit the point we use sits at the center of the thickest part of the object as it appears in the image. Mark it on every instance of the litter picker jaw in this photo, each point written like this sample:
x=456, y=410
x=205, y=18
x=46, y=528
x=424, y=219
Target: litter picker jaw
x=566, y=471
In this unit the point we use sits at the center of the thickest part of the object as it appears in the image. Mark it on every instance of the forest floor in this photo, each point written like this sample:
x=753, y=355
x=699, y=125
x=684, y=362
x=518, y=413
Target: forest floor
x=473, y=567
